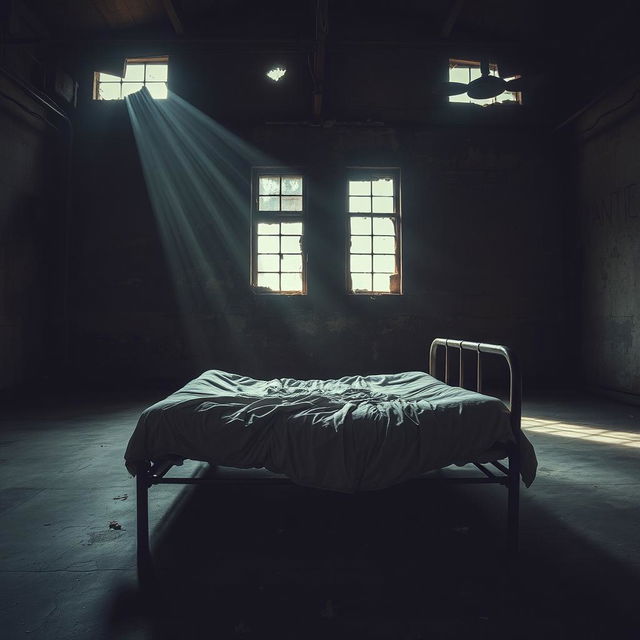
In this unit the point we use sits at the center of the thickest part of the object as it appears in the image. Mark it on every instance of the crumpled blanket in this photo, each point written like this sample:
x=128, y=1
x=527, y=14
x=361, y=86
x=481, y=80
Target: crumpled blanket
x=349, y=434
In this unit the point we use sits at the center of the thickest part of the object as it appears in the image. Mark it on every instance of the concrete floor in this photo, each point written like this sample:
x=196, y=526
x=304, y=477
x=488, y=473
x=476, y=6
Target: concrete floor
x=407, y=563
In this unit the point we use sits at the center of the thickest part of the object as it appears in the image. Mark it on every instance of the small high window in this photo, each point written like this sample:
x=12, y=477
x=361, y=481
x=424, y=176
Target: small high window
x=151, y=73
x=373, y=208
x=278, y=264
x=465, y=71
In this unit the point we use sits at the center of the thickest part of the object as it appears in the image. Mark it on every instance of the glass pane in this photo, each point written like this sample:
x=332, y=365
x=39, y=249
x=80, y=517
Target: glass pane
x=360, y=226
x=360, y=244
x=361, y=281
x=268, y=244
x=107, y=77
x=157, y=72
x=383, y=187
x=268, y=185
x=382, y=204
x=382, y=282
x=158, y=90
x=292, y=263
x=384, y=244
x=359, y=187
x=292, y=228
x=268, y=203
x=130, y=87
x=359, y=204
x=291, y=244
x=269, y=280
x=459, y=74
x=384, y=227
x=360, y=263
x=291, y=282
x=109, y=91
x=268, y=229
x=291, y=203
x=134, y=73
x=292, y=185
x=384, y=264
x=268, y=262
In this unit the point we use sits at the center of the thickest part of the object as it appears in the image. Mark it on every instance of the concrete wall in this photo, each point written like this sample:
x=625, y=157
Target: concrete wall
x=482, y=233
x=29, y=240
x=607, y=253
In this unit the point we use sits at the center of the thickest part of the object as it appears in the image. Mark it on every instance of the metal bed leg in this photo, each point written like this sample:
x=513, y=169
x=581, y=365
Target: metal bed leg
x=142, y=524
x=513, y=508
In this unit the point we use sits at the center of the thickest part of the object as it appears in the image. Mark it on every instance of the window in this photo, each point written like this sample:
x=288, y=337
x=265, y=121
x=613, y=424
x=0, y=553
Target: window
x=278, y=230
x=467, y=70
x=139, y=72
x=374, y=232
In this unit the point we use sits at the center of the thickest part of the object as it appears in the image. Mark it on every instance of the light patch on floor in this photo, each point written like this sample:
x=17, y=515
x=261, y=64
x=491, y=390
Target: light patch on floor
x=582, y=432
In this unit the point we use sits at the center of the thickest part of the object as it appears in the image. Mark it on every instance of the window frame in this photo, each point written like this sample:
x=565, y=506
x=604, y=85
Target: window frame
x=371, y=173
x=258, y=216
x=146, y=61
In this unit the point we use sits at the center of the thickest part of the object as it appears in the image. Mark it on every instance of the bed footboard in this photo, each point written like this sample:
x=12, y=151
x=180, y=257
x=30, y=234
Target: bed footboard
x=512, y=472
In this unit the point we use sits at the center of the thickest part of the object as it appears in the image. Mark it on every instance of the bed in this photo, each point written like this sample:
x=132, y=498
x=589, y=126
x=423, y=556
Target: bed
x=350, y=434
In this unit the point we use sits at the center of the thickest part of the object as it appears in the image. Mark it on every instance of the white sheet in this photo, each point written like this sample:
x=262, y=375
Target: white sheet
x=351, y=434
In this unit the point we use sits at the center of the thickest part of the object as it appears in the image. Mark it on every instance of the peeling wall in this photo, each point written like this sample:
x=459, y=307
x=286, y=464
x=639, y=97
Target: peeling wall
x=608, y=248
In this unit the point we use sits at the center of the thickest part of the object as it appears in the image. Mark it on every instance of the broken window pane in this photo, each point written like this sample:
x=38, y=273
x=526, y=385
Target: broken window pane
x=292, y=228
x=292, y=185
x=291, y=244
x=360, y=226
x=269, y=281
x=382, y=204
x=359, y=187
x=268, y=244
x=384, y=227
x=268, y=229
x=109, y=91
x=382, y=187
x=291, y=282
x=359, y=204
x=269, y=203
x=361, y=281
x=384, y=264
x=361, y=244
x=134, y=73
x=291, y=263
x=269, y=185
x=382, y=282
x=268, y=262
x=360, y=262
x=384, y=244
x=291, y=203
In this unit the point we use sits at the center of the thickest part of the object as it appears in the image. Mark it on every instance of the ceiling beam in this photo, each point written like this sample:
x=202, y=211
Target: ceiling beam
x=450, y=19
x=173, y=16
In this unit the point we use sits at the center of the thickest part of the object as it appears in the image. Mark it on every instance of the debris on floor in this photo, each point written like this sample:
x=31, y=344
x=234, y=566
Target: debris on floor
x=242, y=628
x=328, y=610
x=114, y=524
x=124, y=496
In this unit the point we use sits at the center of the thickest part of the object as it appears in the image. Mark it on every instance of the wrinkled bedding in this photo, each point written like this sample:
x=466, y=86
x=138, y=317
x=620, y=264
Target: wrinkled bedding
x=349, y=434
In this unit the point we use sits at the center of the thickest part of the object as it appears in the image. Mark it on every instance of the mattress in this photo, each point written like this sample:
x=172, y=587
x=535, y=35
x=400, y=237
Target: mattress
x=349, y=434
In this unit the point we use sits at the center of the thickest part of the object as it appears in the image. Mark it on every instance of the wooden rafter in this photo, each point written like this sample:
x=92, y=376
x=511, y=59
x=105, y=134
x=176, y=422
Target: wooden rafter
x=173, y=16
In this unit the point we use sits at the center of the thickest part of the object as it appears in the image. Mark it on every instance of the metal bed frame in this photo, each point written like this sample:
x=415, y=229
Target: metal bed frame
x=148, y=474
